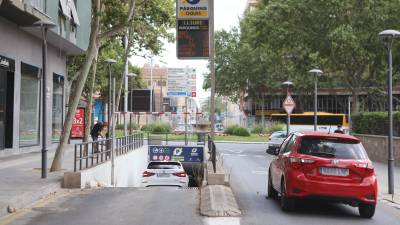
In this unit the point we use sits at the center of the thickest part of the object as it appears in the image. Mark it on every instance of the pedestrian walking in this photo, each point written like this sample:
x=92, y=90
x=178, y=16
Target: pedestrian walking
x=96, y=131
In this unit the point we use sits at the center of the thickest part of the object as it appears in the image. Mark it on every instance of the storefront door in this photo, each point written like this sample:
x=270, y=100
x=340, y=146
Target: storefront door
x=3, y=100
x=6, y=101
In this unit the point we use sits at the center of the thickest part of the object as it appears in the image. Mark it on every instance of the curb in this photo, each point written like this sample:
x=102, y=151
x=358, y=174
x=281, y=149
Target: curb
x=218, y=201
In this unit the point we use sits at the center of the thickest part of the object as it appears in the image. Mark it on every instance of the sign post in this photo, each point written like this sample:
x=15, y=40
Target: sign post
x=288, y=105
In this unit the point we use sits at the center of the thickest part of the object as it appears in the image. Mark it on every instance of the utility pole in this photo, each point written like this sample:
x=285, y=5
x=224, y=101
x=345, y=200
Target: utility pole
x=126, y=85
x=212, y=69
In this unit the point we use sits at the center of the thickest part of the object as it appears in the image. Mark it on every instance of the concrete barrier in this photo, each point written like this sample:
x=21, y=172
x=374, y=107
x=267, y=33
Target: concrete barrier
x=127, y=172
x=377, y=147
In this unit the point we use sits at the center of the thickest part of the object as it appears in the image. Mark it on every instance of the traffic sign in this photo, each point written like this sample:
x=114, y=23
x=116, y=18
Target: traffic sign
x=181, y=82
x=192, y=9
x=289, y=104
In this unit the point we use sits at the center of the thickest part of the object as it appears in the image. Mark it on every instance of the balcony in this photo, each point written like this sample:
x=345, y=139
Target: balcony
x=23, y=12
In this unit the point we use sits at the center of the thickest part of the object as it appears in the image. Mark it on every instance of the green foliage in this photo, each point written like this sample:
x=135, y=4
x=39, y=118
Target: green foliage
x=259, y=129
x=132, y=126
x=241, y=131
x=219, y=105
x=374, y=123
x=230, y=129
x=283, y=39
x=156, y=128
x=275, y=127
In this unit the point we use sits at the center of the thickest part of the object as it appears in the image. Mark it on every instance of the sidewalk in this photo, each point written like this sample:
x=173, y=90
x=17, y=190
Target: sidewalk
x=381, y=171
x=20, y=179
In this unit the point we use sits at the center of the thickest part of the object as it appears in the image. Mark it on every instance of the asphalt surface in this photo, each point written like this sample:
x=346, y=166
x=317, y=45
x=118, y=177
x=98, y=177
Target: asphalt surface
x=248, y=165
x=119, y=206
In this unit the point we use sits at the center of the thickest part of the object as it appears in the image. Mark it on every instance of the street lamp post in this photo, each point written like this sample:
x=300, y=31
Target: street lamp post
x=287, y=84
x=316, y=73
x=44, y=26
x=389, y=36
x=109, y=63
x=127, y=75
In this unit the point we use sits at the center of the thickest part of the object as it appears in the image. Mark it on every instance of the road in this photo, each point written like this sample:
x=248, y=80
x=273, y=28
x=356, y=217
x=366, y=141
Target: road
x=248, y=166
x=117, y=206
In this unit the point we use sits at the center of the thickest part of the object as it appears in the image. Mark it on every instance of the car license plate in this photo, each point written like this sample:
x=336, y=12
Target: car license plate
x=163, y=174
x=341, y=172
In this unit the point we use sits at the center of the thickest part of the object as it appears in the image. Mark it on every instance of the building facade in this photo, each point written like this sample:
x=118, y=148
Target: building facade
x=159, y=75
x=21, y=68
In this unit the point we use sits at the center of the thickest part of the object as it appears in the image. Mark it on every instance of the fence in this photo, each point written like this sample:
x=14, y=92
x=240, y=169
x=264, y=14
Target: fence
x=89, y=154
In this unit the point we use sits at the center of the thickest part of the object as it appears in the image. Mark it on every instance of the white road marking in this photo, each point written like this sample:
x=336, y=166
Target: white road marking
x=221, y=221
x=224, y=154
x=259, y=156
x=236, y=151
x=259, y=172
x=242, y=155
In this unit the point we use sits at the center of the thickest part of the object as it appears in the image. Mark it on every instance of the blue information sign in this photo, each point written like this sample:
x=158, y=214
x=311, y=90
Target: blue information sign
x=176, y=153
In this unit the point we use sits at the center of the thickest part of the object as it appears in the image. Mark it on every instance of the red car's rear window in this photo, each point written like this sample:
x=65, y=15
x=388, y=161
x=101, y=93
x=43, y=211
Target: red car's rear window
x=332, y=148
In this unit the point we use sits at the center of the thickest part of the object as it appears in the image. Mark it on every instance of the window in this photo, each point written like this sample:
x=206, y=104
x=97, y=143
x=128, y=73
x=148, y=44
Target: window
x=289, y=142
x=58, y=112
x=38, y=4
x=282, y=149
x=333, y=148
x=29, y=106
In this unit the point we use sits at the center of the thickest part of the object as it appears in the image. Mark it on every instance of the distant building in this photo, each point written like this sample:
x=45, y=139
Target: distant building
x=251, y=4
x=21, y=66
x=159, y=75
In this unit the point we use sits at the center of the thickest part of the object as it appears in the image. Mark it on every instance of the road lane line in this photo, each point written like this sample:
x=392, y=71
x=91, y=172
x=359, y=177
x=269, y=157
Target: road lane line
x=221, y=221
x=259, y=172
x=242, y=155
x=259, y=156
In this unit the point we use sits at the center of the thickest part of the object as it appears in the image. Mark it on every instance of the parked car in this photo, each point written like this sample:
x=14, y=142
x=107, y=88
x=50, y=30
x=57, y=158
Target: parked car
x=165, y=174
x=275, y=140
x=316, y=165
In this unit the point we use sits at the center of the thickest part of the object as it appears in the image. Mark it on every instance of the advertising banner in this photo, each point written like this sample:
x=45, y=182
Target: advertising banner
x=176, y=153
x=78, y=124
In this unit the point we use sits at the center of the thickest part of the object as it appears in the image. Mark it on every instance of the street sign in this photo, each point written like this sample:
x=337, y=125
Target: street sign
x=289, y=104
x=176, y=153
x=181, y=82
x=192, y=39
x=192, y=9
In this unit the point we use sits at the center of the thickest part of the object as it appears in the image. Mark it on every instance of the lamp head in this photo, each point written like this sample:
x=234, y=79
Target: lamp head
x=389, y=34
x=45, y=24
x=110, y=61
x=316, y=72
x=287, y=83
x=131, y=75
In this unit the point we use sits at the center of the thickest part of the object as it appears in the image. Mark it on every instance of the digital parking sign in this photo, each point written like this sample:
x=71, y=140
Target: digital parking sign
x=192, y=9
x=193, y=39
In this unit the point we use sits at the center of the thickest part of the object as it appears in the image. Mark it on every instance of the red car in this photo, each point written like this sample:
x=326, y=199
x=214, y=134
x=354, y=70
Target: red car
x=322, y=166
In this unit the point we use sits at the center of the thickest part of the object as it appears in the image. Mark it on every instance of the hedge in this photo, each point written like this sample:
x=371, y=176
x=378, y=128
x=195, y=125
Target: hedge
x=156, y=128
x=375, y=123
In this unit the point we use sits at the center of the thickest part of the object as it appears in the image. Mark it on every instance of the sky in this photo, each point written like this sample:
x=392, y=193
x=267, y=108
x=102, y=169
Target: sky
x=227, y=14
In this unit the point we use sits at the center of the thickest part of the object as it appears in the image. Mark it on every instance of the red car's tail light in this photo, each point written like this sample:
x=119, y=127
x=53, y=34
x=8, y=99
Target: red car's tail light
x=147, y=174
x=180, y=174
x=366, y=169
x=297, y=162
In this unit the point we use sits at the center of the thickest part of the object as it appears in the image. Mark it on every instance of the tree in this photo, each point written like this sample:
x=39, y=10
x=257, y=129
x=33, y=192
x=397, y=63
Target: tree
x=286, y=38
x=109, y=18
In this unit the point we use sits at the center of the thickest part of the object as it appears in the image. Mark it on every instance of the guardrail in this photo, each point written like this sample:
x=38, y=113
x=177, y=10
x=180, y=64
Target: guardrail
x=92, y=153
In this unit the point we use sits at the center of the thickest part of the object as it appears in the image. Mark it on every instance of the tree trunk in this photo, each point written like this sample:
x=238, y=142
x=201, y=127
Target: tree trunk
x=89, y=107
x=79, y=84
x=355, y=103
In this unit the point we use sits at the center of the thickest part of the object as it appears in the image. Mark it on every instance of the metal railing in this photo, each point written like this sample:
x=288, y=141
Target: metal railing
x=213, y=150
x=92, y=153
x=166, y=137
x=128, y=143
